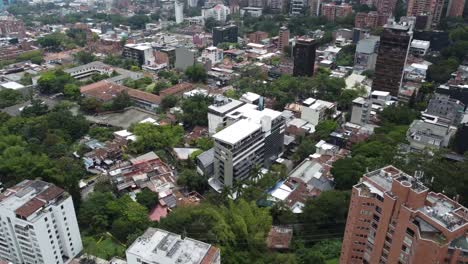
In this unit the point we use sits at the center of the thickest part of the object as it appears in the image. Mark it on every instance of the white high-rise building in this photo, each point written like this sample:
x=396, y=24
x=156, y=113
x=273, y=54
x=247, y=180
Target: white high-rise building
x=179, y=11
x=251, y=136
x=38, y=224
x=216, y=11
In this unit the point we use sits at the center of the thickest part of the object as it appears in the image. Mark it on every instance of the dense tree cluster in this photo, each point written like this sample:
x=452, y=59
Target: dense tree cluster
x=151, y=137
x=196, y=110
x=451, y=58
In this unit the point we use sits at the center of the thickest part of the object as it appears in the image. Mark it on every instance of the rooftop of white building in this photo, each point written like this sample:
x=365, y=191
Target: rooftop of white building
x=237, y=131
x=158, y=244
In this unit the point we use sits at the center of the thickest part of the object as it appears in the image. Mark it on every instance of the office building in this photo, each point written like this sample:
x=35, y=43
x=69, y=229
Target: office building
x=277, y=5
x=394, y=218
x=38, y=224
x=250, y=136
x=393, y=52
x=179, y=11
x=141, y=53
x=217, y=11
x=213, y=54
x=443, y=106
x=304, y=57
x=163, y=247
x=225, y=34
x=419, y=47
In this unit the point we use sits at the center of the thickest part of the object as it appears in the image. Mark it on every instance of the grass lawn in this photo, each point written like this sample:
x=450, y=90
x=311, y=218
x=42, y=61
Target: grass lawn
x=103, y=247
x=332, y=261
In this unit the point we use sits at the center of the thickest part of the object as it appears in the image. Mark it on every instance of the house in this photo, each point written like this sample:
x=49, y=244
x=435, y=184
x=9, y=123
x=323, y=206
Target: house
x=279, y=238
x=147, y=170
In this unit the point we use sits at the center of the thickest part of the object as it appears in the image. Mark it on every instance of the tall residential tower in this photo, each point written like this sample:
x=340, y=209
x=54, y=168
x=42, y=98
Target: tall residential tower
x=38, y=224
x=394, y=218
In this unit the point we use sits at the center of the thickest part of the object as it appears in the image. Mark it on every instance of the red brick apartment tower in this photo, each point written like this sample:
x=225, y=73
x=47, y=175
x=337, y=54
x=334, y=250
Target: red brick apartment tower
x=395, y=219
x=456, y=8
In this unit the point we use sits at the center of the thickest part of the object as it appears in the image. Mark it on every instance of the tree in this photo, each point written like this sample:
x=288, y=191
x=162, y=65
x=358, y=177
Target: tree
x=138, y=21
x=210, y=23
x=305, y=148
x=192, y=181
x=440, y=72
x=324, y=129
x=90, y=105
x=121, y=101
x=147, y=198
x=307, y=256
x=401, y=115
x=101, y=133
x=346, y=173
x=169, y=102
x=326, y=212
x=9, y=97
x=196, y=73
x=71, y=91
x=54, y=81
x=195, y=110
x=84, y=57
x=151, y=137
x=36, y=108
x=348, y=95
x=204, y=143
x=52, y=41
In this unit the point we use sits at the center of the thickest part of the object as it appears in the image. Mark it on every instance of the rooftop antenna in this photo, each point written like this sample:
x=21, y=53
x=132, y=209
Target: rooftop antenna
x=418, y=175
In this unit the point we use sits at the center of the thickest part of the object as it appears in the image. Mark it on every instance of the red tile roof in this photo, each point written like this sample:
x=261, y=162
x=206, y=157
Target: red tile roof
x=103, y=90
x=144, y=96
x=29, y=208
x=106, y=91
x=279, y=237
x=176, y=89
x=51, y=193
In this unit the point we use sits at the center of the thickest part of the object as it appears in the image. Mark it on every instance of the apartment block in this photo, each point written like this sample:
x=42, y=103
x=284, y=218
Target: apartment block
x=38, y=224
x=393, y=52
x=370, y=20
x=216, y=11
x=332, y=11
x=315, y=110
x=365, y=57
x=444, y=107
x=283, y=38
x=163, y=247
x=430, y=132
x=394, y=218
x=253, y=136
x=298, y=7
